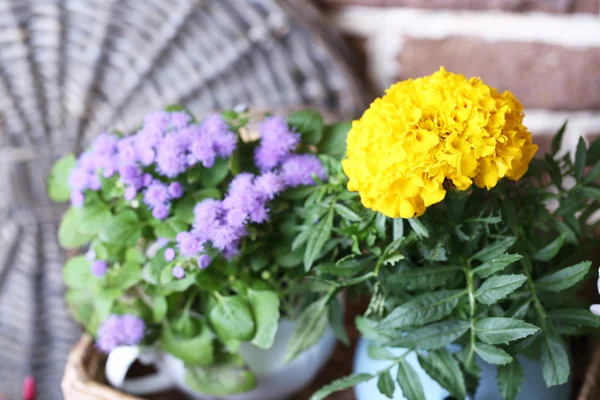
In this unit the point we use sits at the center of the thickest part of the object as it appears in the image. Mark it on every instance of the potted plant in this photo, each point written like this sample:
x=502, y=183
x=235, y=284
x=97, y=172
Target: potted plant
x=191, y=257
x=470, y=249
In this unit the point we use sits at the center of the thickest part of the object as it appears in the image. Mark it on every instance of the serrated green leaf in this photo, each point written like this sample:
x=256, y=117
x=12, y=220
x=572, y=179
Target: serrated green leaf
x=498, y=287
x=265, y=308
x=232, y=317
x=492, y=354
x=69, y=234
x=557, y=139
x=575, y=317
x=580, y=159
x=397, y=228
x=334, y=139
x=92, y=217
x=309, y=328
x=58, y=180
x=309, y=124
x=496, y=264
x=550, y=251
x=422, y=277
x=317, y=239
x=510, y=379
x=503, y=330
x=564, y=278
x=425, y=308
x=169, y=228
x=122, y=229
x=386, y=385
x=418, y=227
x=555, y=362
x=495, y=250
x=445, y=370
x=77, y=273
x=220, y=380
x=392, y=247
x=433, y=336
x=380, y=223
x=184, y=210
x=125, y=276
x=376, y=352
x=341, y=384
x=346, y=213
x=409, y=382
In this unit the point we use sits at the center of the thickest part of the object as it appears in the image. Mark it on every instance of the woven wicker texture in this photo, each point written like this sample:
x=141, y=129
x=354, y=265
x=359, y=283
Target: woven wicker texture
x=70, y=69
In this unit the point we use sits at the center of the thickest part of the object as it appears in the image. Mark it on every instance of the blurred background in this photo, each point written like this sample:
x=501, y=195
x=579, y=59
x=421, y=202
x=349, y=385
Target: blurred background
x=70, y=69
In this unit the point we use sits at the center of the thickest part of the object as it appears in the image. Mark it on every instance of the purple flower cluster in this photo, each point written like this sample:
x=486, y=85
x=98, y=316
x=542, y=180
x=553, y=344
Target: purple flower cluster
x=118, y=330
x=222, y=223
x=168, y=144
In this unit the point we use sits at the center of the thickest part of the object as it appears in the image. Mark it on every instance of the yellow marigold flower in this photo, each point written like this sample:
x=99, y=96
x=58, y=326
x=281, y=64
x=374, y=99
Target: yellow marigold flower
x=425, y=131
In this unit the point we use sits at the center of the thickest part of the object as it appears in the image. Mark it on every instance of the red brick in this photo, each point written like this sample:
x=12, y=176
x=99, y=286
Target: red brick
x=553, y=6
x=540, y=75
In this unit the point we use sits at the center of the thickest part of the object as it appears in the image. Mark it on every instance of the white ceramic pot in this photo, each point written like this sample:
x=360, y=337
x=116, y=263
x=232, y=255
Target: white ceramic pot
x=276, y=379
x=533, y=388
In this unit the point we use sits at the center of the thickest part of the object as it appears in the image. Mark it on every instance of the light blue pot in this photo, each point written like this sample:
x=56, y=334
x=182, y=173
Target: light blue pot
x=533, y=388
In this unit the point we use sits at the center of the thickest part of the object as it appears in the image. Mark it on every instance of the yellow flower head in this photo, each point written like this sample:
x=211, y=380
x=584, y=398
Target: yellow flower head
x=429, y=130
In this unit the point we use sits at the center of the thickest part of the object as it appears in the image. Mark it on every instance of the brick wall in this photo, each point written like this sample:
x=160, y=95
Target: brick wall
x=546, y=51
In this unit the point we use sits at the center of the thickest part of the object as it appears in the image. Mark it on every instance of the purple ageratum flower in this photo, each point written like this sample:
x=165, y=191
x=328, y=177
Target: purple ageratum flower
x=105, y=144
x=175, y=190
x=203, y=261
x=208, y=213
x=160, y=211
x=226, y=236
x=146, y=180
x=269, y=184
x=178, y=272
x=127, y=147
x=90, y=255
x=158, y=120
x=171, y=158
x=79, y=179
x=95, y=183
x=276, y=143
x=130, y=193
x=157, y=193
x=147, y=155
x=119, y=330
x=99, y=268
x=129, y=173
x=201, y=147
x=179, y=119
x=298, y=169
x=169, y=255
x=189, y=244
x=77, y=199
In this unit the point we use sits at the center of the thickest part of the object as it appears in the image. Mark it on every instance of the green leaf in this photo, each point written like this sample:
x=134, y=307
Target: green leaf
x=418, y=227
x=81, y=305
x=510, y=379
x=58, y=180
x=317, y=239
x=336, y=319
x=169, y=228
x=134, y=255
x=555, y=362
x=492, y=354
x=392, y=247
x=397, y=228
x=341, y=384
x=159, y=308
x=409, y=382
x=503, y=330
x=593, y=155
x=379, y=353
x=125, y=276
x=92, y=217
x=580, y=159
x=214, y=175
x=104, y=301
x=498, y=287
x=265, y=307
x=495, y=250
x=425, y=308
x=593, y=175
x=564, y=278
x=557, y=140
x=69, y=232
x=197, y=350
x=433, y=336
x=496, y=264
x=445, y=370
x=347, y=266
x=380, y=223
x=550, y=251
x=575, y=317
x=591, y=192
x=220, y=380
x=310, y=327
x=346, y=213
x=232, y=317
x=121, y=229
x=77, y=273
x=184, y=211
x=309, y=124
x=422, y=277
x=334, y=139
x=386, y=385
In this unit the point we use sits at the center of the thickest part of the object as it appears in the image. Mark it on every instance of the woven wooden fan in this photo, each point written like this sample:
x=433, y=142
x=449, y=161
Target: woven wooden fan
x=70, y=69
